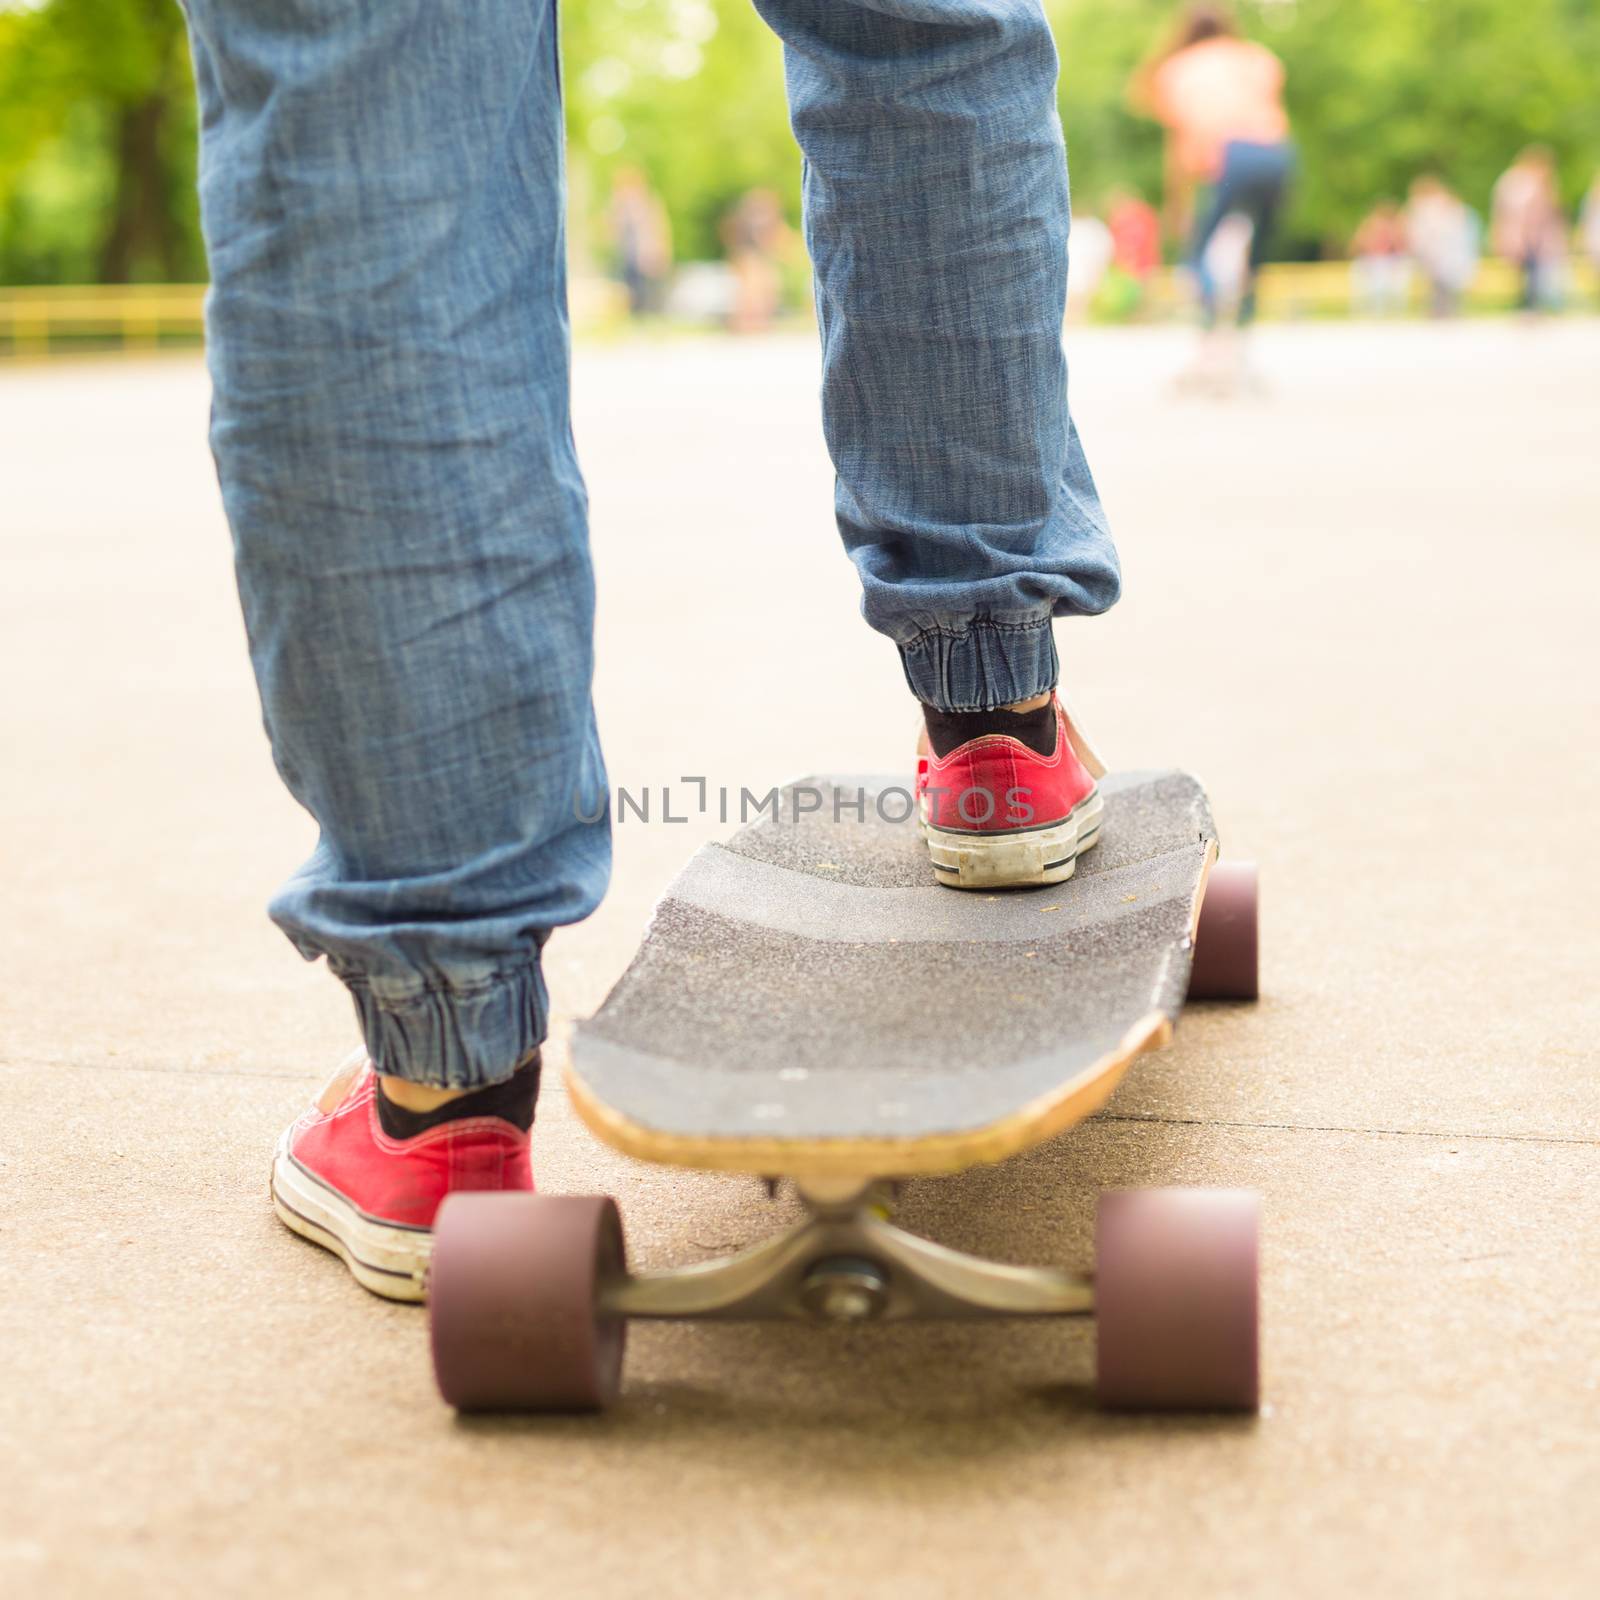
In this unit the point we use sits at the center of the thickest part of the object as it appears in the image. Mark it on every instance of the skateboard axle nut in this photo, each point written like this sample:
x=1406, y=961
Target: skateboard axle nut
x=844, y=1289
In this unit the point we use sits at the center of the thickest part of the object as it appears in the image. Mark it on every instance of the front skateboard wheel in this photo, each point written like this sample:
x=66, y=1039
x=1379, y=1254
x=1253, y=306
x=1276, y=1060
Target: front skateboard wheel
x=1176, y=1299
x=1226, y=958
x=514, y=1302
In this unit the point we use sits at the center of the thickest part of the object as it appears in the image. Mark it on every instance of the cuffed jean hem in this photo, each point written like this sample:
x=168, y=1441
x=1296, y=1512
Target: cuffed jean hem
x=453, y=1037
x=981, y=663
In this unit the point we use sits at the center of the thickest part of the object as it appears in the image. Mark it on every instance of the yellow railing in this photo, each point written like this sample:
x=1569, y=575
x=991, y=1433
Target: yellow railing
x=142, y=317
x=46, y=321
x=129, y=316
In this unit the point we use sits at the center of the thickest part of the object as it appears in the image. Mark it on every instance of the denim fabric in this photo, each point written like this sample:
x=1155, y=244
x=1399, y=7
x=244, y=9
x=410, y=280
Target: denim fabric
x=936, y=215
x=1254, y=181
x=381, y=189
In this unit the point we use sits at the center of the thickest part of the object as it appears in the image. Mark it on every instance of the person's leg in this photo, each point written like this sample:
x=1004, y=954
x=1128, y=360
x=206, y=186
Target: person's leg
x=937, y=216
x=1529, y=298
x=1261, y=197
x=381, y=194
x=1219, y=203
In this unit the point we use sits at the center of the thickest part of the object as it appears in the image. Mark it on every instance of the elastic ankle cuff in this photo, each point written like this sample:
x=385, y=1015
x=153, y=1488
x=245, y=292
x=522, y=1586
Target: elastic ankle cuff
x=452, y=1035
x=981, y=664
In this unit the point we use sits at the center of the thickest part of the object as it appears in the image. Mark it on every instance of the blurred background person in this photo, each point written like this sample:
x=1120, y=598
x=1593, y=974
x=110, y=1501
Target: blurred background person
x=1528, y=227
x=1445, y=237
x=1135, y=245
x=1589, y=230
x=1219, y=368
x=642, y=235
x=1092, y=251
x=757, y=240
x=1220, y=97
x=1227, y=262
x=1380, y=264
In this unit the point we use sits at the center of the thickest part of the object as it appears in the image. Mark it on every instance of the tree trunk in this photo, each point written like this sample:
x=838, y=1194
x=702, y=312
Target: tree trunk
x=140, y=227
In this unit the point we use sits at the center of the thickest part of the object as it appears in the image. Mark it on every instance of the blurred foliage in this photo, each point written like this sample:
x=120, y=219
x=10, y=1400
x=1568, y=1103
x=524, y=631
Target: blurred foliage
x=1383, y=89
x=688, y=91
x=97, y=121
x=97, y=132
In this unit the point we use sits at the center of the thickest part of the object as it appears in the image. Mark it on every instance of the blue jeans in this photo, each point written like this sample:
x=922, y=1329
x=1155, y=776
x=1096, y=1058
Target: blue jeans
x=382, y=193
x=1253, y=182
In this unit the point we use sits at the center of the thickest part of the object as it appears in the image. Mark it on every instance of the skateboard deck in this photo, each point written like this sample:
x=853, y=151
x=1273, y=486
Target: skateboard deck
x=807, y=1001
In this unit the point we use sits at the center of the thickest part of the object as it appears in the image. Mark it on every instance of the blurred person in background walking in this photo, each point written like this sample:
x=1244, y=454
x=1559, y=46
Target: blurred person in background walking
x=1589, y=230
x=1220, y=97
x=1135, y=243
x=757, y=240
x=1092, y=252
x=1220, y=369
x=1528, y=227
x=1380, y=265
x=1135, y=233
x=1444, y=235
x=642, y=235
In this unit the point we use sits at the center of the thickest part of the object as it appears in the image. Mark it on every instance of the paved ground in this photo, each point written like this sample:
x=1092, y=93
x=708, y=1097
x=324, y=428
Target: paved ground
x=1362, y=607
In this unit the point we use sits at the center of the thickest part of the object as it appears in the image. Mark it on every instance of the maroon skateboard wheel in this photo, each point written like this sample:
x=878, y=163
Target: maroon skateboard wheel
x=1176, y=1299
x=1226, y=959
x=514, y=1302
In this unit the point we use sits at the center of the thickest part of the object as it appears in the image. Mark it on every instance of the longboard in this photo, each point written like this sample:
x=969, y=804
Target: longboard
x=808, y=1004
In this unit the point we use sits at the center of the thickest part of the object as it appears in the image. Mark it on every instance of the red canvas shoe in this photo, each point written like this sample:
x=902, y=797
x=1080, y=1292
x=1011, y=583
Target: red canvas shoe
x=997, y=813
x=341, y=1181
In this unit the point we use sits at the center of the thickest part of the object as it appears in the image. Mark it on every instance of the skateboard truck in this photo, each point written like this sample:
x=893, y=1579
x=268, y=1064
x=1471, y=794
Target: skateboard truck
x=531, y=1296
x=846, y=1262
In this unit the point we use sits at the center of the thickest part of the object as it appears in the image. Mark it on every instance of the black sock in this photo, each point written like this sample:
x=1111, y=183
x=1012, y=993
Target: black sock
x=512, y=1101
x=1036, y=729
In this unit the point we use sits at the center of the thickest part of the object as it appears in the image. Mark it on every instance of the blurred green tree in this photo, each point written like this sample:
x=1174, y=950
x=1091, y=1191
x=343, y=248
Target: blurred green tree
x=688, y=91
x=96, y=142
x=1381, y=90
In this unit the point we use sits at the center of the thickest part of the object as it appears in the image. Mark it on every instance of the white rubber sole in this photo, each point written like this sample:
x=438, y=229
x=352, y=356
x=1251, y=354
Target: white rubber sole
x=390, y=1261
x=1015, y=860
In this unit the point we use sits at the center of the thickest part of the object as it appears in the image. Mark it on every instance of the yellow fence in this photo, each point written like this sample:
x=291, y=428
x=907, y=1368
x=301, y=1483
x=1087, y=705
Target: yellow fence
x=126, y=316
x=142, y=317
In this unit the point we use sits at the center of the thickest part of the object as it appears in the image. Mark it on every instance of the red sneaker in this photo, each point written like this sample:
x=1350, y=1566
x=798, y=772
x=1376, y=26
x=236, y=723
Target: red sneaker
x=996, y=813
x=341, y=1181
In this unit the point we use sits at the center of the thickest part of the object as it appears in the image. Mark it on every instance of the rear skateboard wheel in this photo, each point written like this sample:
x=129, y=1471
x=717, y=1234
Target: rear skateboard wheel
x=1176, y=1299
x=1226, y=961
x=514, y=1302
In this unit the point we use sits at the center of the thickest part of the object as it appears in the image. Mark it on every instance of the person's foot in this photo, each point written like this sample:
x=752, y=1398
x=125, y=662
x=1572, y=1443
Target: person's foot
x=1006, y=798
x=363, y=1177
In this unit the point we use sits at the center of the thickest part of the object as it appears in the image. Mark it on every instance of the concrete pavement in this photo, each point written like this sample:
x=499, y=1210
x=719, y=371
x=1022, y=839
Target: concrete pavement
x=1361, y=606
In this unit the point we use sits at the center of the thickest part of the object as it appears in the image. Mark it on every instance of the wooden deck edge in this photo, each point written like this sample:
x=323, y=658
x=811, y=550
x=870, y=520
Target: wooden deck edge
x=1041, y=1119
